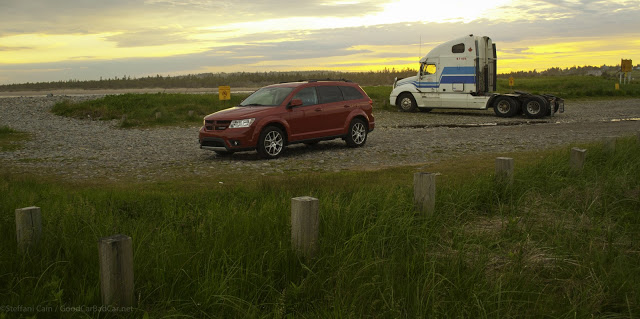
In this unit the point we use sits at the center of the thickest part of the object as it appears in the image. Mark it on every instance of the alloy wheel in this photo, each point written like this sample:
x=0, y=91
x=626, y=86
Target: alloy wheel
x=273, y=143
x=358, y=133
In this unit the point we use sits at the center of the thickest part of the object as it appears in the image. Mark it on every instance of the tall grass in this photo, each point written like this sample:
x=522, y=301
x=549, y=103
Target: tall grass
x=140, y=109
x=572, y=87
x=380, y=96
x=10, y=139
x=554, y=244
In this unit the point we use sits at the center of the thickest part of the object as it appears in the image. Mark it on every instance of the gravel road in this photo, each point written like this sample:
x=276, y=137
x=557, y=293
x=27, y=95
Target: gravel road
x=87, y=149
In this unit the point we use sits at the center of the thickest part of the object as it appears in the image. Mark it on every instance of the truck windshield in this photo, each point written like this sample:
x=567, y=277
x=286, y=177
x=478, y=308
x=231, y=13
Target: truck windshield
x=427, y=68
x=267, y=96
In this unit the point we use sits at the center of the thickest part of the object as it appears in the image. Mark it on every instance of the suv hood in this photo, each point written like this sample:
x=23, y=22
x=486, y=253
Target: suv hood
x=239, y=113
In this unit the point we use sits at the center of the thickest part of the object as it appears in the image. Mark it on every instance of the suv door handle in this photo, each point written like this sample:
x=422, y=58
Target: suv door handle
x=346, y=106
x=318, y=109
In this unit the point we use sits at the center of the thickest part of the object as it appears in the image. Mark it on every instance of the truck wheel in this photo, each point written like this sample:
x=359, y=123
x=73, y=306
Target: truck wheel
x=407, y=103
x=535, y=107
x=271, y=142
x=357, y=134
x=505, y=106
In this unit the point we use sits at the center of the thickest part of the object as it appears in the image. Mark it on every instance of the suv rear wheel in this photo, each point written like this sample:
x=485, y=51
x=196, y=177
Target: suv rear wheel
x=271, y=142
x=357, y=134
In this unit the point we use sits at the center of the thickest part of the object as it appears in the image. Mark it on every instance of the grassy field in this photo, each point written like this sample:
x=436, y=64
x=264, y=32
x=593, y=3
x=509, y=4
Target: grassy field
x=10, y=139
x=555, y=244
x=573, y=87
x=140, y=110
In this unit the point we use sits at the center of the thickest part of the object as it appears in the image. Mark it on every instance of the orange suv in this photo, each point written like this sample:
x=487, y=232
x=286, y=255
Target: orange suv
x=286, y=113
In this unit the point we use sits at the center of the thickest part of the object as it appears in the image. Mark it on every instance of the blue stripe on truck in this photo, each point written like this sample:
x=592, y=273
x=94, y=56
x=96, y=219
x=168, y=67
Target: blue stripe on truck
x=457, y=79
x=456, y=74
x=423, y=85
x=467, y=70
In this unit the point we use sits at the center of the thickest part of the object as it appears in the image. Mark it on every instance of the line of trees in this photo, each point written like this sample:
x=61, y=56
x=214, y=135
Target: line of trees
x=212, y=80
x=604, y=71
x=259, y=79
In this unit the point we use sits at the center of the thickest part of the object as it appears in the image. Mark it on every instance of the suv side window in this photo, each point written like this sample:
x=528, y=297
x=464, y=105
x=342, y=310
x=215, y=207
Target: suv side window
x=308, y=96
x=350, y=93
x=328, y=94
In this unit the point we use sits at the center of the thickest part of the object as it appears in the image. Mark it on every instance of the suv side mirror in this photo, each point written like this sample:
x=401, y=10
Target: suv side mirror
x=295, y=102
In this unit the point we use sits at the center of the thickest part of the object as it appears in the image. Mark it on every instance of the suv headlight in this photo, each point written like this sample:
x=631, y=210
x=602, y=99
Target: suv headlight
x=241, y=123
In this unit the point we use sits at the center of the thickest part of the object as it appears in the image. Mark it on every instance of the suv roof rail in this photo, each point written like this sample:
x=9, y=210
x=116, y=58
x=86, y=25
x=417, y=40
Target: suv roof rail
x=327, y=79
x=318, y=80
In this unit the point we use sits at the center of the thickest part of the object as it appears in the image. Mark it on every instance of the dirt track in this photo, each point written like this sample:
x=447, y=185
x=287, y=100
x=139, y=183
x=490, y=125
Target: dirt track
x=86, y=149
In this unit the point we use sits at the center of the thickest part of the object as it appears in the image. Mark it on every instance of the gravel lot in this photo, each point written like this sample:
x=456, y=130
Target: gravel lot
x=86, y=149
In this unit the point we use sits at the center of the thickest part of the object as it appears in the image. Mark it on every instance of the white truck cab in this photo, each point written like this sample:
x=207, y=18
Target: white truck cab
x=462, y=74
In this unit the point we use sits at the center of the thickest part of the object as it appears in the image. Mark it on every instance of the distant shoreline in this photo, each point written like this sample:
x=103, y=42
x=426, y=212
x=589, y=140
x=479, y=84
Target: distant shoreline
x=73, y=92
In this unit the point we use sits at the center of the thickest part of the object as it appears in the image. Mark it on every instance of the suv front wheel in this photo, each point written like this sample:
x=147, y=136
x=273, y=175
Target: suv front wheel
x=271, y=142
x=357, y=134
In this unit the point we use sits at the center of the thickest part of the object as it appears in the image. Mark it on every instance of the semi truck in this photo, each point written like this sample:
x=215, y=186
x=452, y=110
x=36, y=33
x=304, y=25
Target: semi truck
x=462, y=74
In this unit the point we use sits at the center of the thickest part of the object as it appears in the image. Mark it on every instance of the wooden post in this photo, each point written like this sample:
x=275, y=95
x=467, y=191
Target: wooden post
x=28, y=227
x=577, y=158
x=424, y=192
x=610, y=144
x=116, y=271
x=190, y=113
x=305, y=221
x=158, y=115
x=504, y=170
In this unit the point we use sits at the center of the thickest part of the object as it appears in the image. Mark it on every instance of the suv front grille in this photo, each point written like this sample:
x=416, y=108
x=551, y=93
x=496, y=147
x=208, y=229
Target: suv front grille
x=211, y=125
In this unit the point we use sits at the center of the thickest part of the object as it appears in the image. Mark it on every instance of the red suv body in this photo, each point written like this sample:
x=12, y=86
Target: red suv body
x=297, y=112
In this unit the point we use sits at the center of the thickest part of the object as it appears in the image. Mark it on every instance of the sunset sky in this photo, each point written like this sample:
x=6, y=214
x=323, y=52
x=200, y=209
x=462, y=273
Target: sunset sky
x=50, y=40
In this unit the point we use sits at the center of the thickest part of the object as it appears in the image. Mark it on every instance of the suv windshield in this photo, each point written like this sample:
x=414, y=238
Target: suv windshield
x=267, y=96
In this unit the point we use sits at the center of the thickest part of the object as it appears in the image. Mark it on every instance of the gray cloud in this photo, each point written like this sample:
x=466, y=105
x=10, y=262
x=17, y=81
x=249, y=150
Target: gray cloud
x=584, y=9
x=240, y=55
x=586, y=19
x=515, y=50
x=287, y=50
x=5, y=48
x=54, y=17
x=586, y=6
x=95, y=16
x=150, y=37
